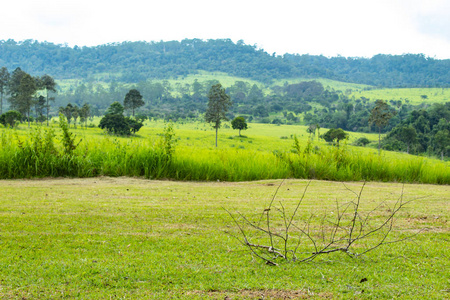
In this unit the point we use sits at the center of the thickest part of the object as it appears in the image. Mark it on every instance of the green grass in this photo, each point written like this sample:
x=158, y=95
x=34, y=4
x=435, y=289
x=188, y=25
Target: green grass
x=265, y=153
x=407, y=95
x=118, y=238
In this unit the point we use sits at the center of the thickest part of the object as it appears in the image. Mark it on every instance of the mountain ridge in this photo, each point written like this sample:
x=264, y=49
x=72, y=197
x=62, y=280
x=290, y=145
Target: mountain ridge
x=137, y=61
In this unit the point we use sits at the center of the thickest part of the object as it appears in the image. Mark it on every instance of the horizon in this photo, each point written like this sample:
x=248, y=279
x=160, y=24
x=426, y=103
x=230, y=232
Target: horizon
x=257, y=47
x=348, y=28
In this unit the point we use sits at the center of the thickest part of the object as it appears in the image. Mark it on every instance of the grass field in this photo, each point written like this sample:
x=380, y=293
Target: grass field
x=129, y=238
x=266, y=152
x=413, y=96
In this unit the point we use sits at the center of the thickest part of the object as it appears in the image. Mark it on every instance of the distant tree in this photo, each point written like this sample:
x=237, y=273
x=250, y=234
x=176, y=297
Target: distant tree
x=380, y=116
x=239, y=123
x=133, y=100
x=75, y=115
x=363, y=141
x=27, y=89
x=115, y=122
x=141, y=118
x=67, y=112
x=85, y=112
x=39, y=107
x=134, y=124
x=407, y=134
x=10, y=118
x=4, y=82
x=218, y=105
x=442, y=141
x=115, y=109
x=13, y=88
x=335, y=135
x=311, y=129
x=49, y=85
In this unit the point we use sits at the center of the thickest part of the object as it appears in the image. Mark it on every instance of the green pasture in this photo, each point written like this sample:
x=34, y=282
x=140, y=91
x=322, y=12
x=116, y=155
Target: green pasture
x=413, y=96
x=130, y=238
x=266, y=152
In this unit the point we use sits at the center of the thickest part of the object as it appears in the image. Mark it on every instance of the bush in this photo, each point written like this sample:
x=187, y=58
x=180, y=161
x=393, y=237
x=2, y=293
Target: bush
x=10, y=118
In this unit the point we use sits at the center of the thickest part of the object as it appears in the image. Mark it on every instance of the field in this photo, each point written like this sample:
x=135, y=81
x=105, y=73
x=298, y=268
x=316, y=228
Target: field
x=414, y=96
x=265, y=152
x=130, y=238
x=117, y=237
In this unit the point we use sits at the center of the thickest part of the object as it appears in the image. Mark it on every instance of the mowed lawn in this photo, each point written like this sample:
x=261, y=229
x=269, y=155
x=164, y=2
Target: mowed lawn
x=131, y=238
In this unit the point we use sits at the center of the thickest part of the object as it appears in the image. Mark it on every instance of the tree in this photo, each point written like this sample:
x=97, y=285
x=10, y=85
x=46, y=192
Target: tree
x=133, y=100
x=10, y=118
x=407, y=134
x=239, y=123
x=4, y=82
x=27, y=89
x=39, y=106
x=335, y=134
x=311, y=130
x=442, y=141
x=85, y=112
x=48, y=84
x=218, y=105
x=380, y=116
x=115, y=109
x=67, y=112
x=75, y=115
x=363, y=141
x=13, y=86
x=115, y=122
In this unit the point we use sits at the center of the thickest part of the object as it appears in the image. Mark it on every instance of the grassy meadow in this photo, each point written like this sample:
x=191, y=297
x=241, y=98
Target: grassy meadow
x=414, y=96
x=131, y=238
x=265, y=152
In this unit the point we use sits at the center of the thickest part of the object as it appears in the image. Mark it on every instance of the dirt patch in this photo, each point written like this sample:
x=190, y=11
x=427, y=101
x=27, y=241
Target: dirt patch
x=261, y=294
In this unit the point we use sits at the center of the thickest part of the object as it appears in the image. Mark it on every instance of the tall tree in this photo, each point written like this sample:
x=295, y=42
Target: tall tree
x=218, y=105
x=49, y=85
x=133, y=100
x=380, y=116
x=14, y=84
x=25, y=98
x=4, y=82
x=85, y=111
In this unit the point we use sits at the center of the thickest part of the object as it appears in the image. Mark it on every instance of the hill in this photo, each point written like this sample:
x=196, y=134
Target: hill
x=133, y=62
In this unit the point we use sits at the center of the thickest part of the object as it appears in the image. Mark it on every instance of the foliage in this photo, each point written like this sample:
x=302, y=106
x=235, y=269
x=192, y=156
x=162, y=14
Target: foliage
x=363, y=141
x=218, y=105
x=137, y=61
x=380, y=116
x=68, y=138
x=335, y=135
x=133, y=100
x=115, y=122
x=422, y=131
x=4, y=82
x=239, y=123
x=10, y=118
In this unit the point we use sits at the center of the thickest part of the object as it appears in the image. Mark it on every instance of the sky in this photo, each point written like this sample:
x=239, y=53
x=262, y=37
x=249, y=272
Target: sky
x=349, y=28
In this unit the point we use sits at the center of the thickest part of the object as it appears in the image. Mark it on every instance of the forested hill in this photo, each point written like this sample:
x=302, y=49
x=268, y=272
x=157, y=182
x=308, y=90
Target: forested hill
x=138, y=61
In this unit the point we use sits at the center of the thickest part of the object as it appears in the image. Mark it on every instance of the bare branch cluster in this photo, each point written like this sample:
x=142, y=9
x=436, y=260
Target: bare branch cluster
x=281, y=233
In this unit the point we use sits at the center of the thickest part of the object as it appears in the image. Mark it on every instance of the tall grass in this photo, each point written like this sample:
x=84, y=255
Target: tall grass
x=42, y=154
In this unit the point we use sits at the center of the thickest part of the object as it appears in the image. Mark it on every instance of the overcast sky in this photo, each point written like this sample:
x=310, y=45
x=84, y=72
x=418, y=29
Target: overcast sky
x=353, y=28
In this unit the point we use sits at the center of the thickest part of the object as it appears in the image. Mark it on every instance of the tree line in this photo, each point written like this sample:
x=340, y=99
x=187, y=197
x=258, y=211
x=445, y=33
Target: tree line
x=133, y=62
x=414, y=129
x=23, y=90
